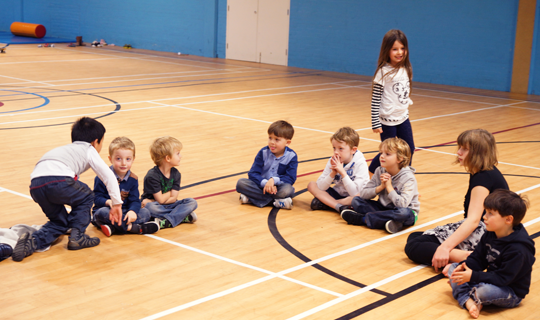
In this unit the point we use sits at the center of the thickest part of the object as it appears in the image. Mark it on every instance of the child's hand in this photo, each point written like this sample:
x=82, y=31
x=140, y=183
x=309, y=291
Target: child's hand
x=108, y=203
x=144, y=202
x=445, y=270
x=337, y=165
x=386, y=177
x=378, y=130
x=270, y=188
x=461, y=274
x=115, y=214
x=130, y=217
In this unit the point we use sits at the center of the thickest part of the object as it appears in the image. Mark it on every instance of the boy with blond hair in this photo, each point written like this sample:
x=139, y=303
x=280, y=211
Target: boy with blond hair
x=273, y=173
x=347, y=170
x=395, y=184
x=162, y=185
x=134, y=219
x=55, y=183
x=498, y=271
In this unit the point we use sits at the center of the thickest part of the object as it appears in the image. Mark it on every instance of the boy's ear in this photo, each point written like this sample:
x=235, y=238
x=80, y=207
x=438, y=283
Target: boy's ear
x=354, y=149
x=509, y=219
x=288, y=142
x=94, y=143
x=110, y=160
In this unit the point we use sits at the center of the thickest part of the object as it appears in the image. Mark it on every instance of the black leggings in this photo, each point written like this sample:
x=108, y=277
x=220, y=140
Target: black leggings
x=420, y=248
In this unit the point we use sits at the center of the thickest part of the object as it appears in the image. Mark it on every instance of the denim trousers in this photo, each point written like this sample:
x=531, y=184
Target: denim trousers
x=255, y=194
x=403, y=131
x=174, y=212
x=101, y=216
x=377, y=215
x=52, y=193
x=483, y=293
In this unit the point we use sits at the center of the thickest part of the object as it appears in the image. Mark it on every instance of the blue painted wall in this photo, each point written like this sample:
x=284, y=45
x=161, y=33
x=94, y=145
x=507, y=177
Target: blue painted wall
x=534, y=77
x=165, y=25
x=461, y=42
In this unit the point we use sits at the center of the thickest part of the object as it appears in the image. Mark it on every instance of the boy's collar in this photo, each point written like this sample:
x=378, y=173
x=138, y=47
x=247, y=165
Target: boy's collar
x=126, y=177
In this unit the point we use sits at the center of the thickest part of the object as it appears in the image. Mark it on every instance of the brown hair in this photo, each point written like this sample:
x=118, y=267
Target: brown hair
x=482, y=150
x=163, y=147
x=347, y=135
x=121, y=143
x=400, y=148
x=384, y=56
x=507, y=203
x=281, y=129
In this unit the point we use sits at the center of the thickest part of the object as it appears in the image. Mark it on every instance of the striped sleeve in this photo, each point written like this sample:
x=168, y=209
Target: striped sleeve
x=375, y=105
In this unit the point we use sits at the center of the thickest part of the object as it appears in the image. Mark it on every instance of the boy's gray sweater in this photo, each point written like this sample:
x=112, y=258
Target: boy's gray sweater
x=405, y=194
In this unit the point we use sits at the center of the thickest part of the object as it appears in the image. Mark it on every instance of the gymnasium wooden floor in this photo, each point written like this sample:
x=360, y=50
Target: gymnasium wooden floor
x=239, y=261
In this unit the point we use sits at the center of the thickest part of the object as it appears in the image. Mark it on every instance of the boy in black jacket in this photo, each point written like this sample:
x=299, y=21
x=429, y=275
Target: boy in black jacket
x=505, y=250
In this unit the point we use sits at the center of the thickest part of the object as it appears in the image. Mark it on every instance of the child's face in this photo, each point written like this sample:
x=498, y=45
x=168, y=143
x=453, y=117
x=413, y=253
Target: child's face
x=495, y=222
x=462, y=154
x=389, y=160
x=122, y=160
x=174, y=160
x=397, y=53
x=277, y=144
x=343, y=150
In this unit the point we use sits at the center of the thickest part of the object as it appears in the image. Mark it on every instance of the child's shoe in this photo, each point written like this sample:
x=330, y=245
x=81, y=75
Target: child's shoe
x=244, y=199
x=317, y=204
x=163, y=223
x=192, y=217
x=107, y=230
x=353, y=217
x=26, y=245
x=5, y=251
x=79, y=241
x=145, y=228
x=392, y=226
x=283, y=203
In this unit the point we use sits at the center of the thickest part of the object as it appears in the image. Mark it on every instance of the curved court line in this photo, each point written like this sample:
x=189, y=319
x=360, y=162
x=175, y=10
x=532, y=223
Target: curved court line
x=47, y=101
x=117, y=109
x=272, y=226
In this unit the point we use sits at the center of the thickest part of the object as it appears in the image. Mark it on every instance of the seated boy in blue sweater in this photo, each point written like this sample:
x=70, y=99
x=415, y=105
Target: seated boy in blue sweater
x=134, y=219
x=274, y=171
x=498, y=271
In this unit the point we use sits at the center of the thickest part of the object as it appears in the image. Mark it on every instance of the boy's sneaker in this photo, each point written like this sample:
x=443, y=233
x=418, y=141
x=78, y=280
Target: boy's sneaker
x=192, y=217
x=392, y=226
x=163, y=223
x=283, y=203
x=85, y=241
x=317, y=204
x=244, y=199
x=149, y=227
x=107, y=230
x=353, y=217
x=24, y=247
x=5, y=251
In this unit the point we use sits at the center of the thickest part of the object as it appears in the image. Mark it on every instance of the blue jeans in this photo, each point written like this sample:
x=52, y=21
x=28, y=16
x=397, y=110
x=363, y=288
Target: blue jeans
x=52, y=193
x=403, y=131
x=483, y=293
x=101, y=216
x=174, y=212
x=255, y=194
x=377, y=215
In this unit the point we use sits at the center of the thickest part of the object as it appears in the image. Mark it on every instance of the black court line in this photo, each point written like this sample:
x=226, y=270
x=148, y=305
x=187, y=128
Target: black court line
x=272, y=226
x=401, y=293
x=117, y=108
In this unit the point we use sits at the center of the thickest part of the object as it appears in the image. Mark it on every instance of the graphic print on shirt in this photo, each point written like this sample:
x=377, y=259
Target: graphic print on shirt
x=350, y=172
x=402, y=91
x=492, y=254
x=124, y=194
x=166, y=186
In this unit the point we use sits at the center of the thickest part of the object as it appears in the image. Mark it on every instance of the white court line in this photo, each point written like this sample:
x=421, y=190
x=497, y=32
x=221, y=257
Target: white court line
x=54, y=61
x=23, y=80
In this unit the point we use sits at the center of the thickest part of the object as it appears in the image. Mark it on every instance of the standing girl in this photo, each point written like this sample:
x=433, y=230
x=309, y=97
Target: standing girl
x=390, y=94
x=453, y=242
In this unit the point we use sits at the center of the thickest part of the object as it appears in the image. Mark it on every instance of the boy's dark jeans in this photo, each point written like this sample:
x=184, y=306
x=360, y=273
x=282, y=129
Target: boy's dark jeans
x=52, y=193
x=377, y=215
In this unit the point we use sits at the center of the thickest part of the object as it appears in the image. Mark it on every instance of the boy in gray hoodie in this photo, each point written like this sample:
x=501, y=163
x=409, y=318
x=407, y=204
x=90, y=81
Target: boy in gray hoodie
x=396, y=186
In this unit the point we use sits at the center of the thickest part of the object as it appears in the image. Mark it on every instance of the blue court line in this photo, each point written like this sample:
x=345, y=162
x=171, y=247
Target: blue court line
x=47, y=101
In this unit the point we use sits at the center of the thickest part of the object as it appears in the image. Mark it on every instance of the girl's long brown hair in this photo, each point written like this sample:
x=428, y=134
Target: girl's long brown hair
x=384, y=56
